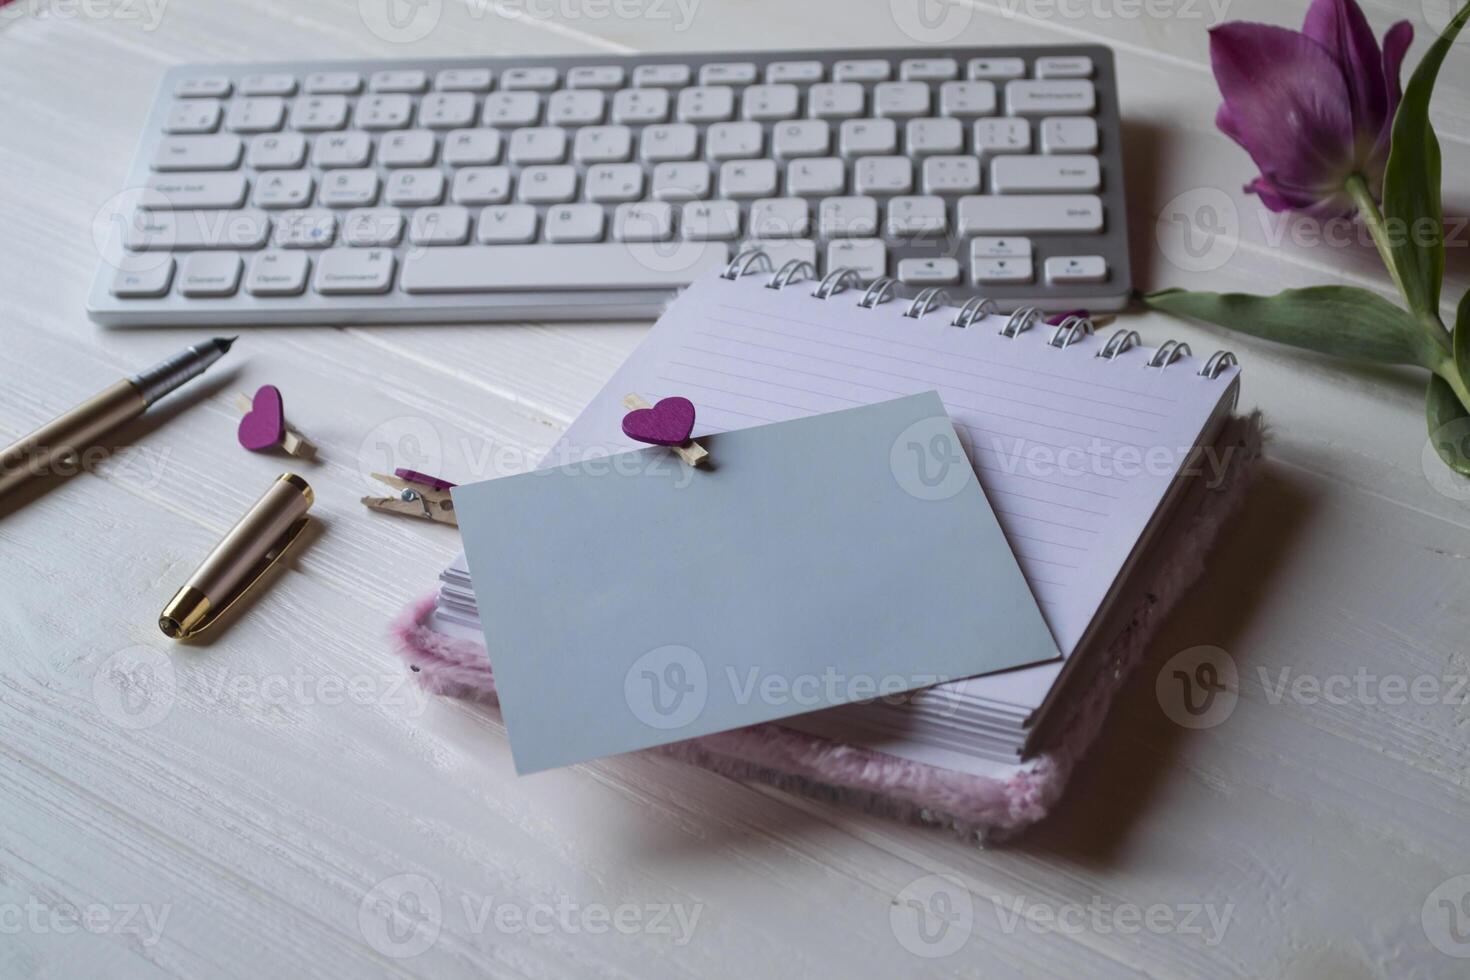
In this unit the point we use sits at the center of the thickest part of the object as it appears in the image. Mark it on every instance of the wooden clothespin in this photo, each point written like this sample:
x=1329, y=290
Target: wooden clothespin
x=264, y=425
x=669, y=423
x=421, y=496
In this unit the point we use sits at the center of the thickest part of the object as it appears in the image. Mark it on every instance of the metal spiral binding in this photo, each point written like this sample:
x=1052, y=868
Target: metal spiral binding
x=836, y=281
x=1219, y=361
x=789, y=271
x=1169, y=352
x=740, y=264
x=974, y=308
x=926, y=301
x=1120, y=341
x=1021, y=321
x=1071, y=330
x=879, y=291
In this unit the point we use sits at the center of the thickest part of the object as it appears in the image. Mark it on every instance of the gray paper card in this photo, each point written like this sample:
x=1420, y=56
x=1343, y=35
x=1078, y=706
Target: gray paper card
x=630, y=601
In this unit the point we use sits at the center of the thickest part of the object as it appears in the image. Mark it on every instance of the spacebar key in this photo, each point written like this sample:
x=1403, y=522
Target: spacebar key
x=518, y=268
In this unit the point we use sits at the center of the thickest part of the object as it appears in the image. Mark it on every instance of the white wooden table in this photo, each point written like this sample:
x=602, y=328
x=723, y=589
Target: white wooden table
x=240, y=816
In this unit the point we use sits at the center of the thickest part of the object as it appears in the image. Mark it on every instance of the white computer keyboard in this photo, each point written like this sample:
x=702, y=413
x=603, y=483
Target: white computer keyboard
x=592, y=187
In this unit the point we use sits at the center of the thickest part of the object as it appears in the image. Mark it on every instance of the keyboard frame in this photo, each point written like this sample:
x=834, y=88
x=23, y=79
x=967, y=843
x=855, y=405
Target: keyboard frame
x=396, y=306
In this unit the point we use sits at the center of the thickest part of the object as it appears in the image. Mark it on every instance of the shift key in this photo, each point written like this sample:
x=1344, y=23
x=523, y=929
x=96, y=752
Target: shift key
x=1029, y=214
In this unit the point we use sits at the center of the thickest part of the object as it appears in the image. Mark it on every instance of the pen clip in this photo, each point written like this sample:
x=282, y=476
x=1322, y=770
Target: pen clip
x=255, y=574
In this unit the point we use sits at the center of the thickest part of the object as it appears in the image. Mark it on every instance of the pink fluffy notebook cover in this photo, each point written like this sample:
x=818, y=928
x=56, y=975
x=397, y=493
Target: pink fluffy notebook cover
x=974, y=805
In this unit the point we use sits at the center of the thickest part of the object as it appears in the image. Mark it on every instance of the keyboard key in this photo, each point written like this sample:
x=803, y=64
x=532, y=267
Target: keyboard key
x=672, y=141
x=209, y=87
x=650, y=221
x=146, y=280
x=1000, y=248
x=407, y=80
x=1041, y=174
x=481, y=185
x=311, y=228
x=928, y=69
x=710, y=221
x=1063, y=269
x=661, y=76
x=1001, y=271
x=575, y=223
x=965, y=100
x=463, y=80
x=170, y=192
x=835, y=100
x=548, y=185
x=866, y=70
x=1064, y=66
x=471, y=147
x=511, y=109
x=210, y=275
x=367, y=227
x=268, y=85
x=604, y=265
x=415, y=187
x=909, y=216
x=706, y=103
x=996, y=136
x=410, y=148
x=349, y=188
x=541, y=144
x=384, y=112
x=193, y=116
x=350, y=149
x=951, y=175
x=189, y=231
x=286, y=151
x=575, y=107
x=1030, y=214
x=929, y=272
x=926, y=137
x=848, y=217
x=633, y=105
x=319, y=113
x=900, y=100
x=998, y=69
x=767, y=102
x=447, y=110
x=291, y=189
x=364, y=271
x=534, y=79
x=596, y=76
x=1069, y=134
x=737, y=73
x=448, y=225
x=681, y=181
x=868, y=256
x=868, y=137
x=794, y=71
x=816, y=177
x=1045, y=97
x=218, y=152
x=780, y=217
x=883, y=175
x=780, y=251
x=277, y=273
x=734, y=141
x=612, y=182
x=747, y=178
x=801, y=138
x=333, y=83
x=506, y=224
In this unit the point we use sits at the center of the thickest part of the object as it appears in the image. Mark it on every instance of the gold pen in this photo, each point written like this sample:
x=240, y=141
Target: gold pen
x=239, y=561
x=66, y=436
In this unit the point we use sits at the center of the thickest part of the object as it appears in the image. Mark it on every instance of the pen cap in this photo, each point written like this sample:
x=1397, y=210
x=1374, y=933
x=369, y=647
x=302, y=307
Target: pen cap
x=240, y=558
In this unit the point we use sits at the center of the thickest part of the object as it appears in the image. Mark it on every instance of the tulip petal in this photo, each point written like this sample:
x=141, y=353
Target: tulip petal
x=1395, y=46
x=1286, y=102
x=1340, y=27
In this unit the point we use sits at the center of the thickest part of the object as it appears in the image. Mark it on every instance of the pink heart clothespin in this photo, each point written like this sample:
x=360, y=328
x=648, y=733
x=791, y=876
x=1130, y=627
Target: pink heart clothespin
x=264, y=427
x=669, y=423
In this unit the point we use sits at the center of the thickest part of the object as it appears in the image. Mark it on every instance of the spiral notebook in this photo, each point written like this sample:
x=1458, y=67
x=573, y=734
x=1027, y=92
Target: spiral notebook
x=1082, y=442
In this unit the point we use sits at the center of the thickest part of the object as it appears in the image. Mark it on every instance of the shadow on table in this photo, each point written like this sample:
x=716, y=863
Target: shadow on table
x=1121, y=778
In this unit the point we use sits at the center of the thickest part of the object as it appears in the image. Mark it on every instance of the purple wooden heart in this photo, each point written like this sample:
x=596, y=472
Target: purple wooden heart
x=666, y=424
x=264, y=426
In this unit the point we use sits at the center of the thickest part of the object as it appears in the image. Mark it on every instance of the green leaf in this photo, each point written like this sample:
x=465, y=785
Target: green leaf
x=1338, y=320
x=1411, y=184
x=1444, y=411
x=1461, y=340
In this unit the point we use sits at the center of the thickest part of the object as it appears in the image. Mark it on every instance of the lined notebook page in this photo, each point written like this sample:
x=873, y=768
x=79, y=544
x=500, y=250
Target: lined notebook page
x=1075, y=452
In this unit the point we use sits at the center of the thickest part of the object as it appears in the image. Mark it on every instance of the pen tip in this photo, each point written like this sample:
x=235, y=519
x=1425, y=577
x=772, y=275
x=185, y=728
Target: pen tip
x=225, y=343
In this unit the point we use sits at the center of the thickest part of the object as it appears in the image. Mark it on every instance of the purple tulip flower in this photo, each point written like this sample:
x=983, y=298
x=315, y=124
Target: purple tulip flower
x=1312, y=109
